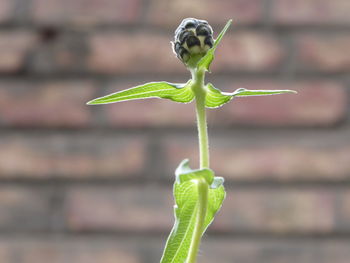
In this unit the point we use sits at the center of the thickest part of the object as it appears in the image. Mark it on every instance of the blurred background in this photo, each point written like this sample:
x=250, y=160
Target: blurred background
x=94, y=183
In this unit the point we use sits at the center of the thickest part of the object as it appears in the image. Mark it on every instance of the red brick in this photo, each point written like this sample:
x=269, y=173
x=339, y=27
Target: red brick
x=72, y=250
x=6, y=7
x=299, y=12
x=213, y=249
x=151, y=113
x=284, y=157
x=24, y=209
x=344, y=207
x=318, y=103
x=116, y=52
x=52, y=104
x=274, y=251
x=136, y=208
x=251, y=51
x=335, y=252
x=15, y=47
x=74, y=156
x=140, y=208
x=171, y=13
x=278, y=211
x=285, y=163
x=83, y=13
x=324, y=52
x=5, y=253
x=59, y=53
x=248, y=51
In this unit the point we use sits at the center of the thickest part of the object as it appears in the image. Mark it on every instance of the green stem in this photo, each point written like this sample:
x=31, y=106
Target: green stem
x=200, y=220
x=200, y=93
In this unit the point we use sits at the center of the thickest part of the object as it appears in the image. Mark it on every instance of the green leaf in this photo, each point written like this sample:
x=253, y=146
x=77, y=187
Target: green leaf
x=208, y=58
x=246, y=92
x=165, y=90
x=185, y=173
x=216, y=98
x=186, y=208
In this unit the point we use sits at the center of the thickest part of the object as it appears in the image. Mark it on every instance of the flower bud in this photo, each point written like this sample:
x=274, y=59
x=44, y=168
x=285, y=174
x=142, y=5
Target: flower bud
x=193, y=38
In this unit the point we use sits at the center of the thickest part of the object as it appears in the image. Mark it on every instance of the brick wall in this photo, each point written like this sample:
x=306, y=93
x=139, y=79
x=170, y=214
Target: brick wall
x=93, y=183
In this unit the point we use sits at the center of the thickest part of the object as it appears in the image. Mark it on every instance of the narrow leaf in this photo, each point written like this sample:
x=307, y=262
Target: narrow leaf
x=208, y=58
x=245, y=92
x=186, y=208
x=175, y=92
x=216, y=98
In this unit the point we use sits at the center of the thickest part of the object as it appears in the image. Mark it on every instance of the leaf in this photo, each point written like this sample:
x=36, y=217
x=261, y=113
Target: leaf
x=208, y=58
x=186, y=207
x=175, y=92
x=246, y=92
x=216, y=98
x=184, y=173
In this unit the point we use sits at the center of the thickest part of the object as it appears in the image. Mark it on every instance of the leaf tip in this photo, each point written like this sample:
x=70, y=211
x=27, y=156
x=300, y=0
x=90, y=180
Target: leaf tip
x=217, y=182
x=184, y=165
x=94, y=102
x=91, y=102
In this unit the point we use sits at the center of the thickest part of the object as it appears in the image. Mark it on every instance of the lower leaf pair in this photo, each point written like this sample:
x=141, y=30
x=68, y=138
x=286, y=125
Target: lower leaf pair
x=187, y=209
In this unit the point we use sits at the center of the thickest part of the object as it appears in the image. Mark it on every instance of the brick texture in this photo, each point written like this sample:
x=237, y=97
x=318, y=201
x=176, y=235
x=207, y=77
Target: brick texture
x=85, y=184
x=218, y=249
x=86, y=13
x=77, y=250
x=343, y=218
x=58, y=52
x=54, y=103
x=264, y=157
x=135, y=52
x=267, y=251
x=278, y=211
x=325, y=53
x=171, y=12
x=6, y=9
x=24, y=209
x=15, y=47
x=313, y=12
x=123, y=209
x=72, y=156
x=249, y=51
x=160, y=113
x=318, y=103
x=5, y=254
x=269, y=210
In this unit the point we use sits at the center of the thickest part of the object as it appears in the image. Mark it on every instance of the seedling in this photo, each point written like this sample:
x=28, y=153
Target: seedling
x=198, y=192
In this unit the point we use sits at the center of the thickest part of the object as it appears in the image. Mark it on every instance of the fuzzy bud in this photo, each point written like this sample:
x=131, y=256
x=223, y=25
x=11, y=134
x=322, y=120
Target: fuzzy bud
x=193, y=38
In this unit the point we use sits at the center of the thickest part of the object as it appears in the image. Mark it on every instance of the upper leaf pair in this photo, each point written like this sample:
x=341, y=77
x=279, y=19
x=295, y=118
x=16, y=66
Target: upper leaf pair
x=182, y=92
